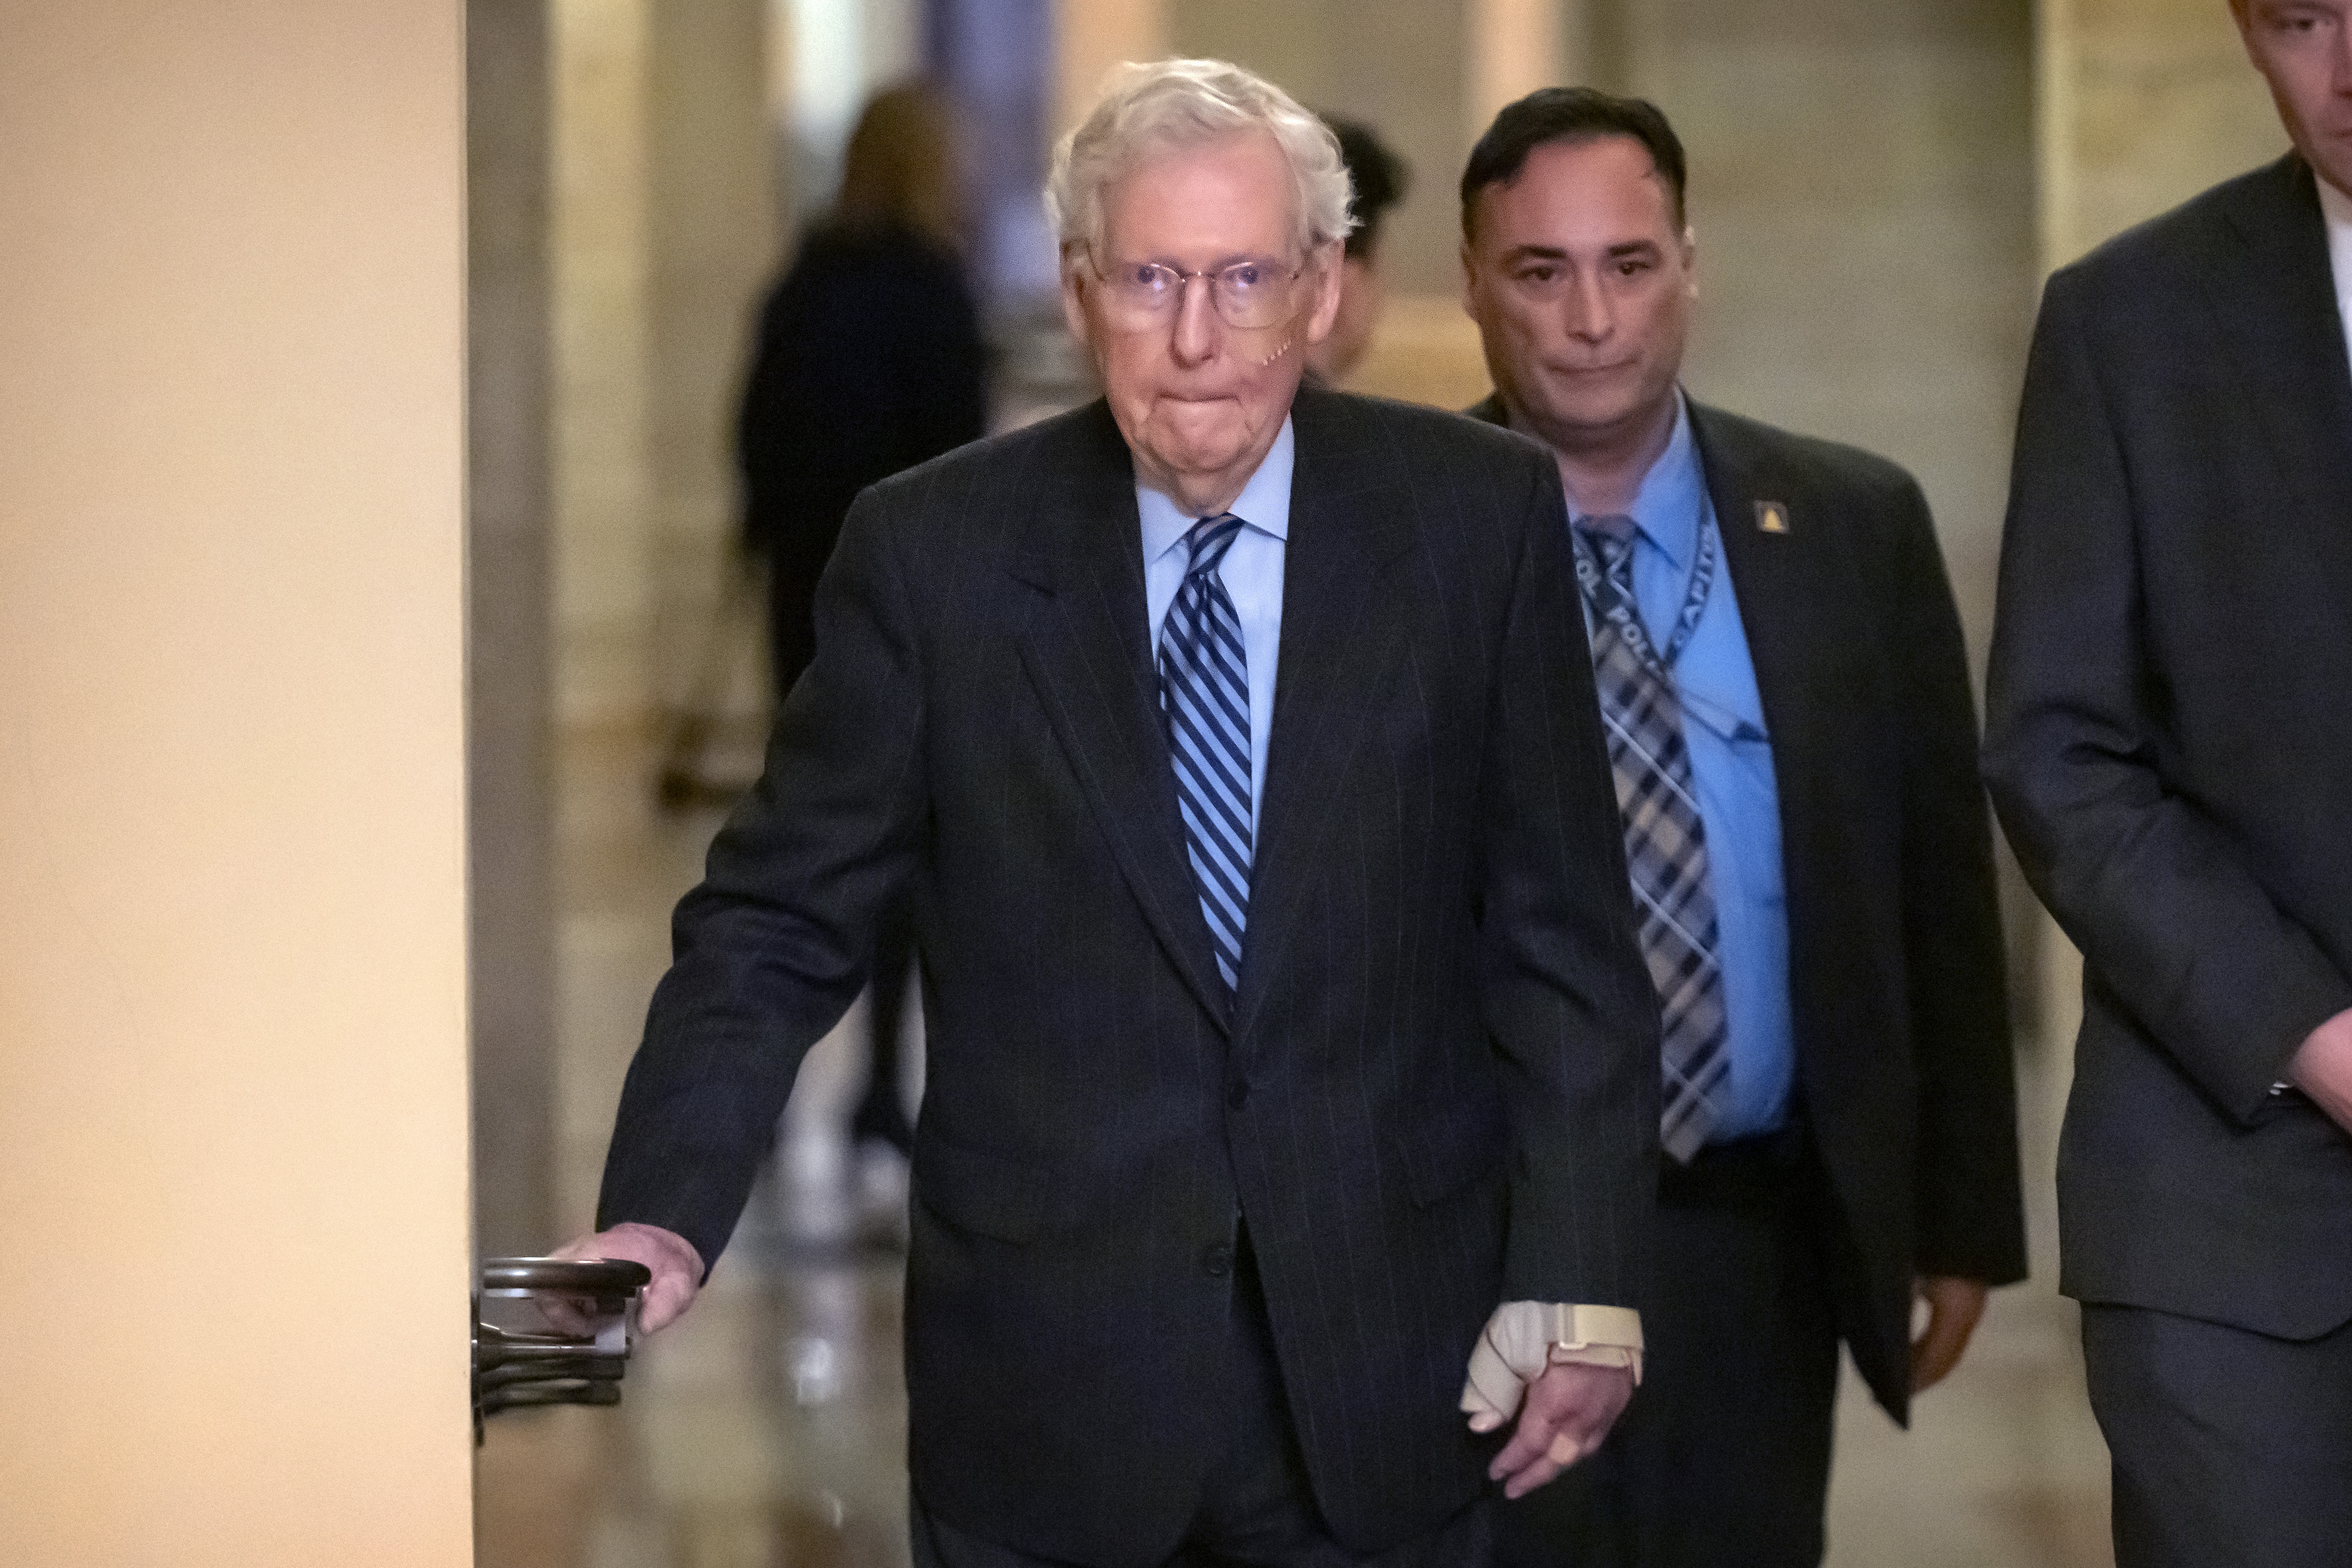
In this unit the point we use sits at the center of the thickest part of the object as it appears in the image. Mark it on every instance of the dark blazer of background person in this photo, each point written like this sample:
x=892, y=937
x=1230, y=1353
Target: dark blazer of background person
x=1904, y=1078
x=868, y=358
x=869, y=363
x=1435, y=1088
x=2169, y=746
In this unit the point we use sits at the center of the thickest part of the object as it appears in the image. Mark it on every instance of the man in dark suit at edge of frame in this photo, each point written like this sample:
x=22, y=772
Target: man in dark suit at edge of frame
x=1288, y=1037
x=1783, y=679
x=2169, y=745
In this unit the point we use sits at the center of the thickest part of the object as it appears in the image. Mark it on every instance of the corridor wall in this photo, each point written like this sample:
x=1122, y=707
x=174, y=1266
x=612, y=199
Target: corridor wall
x=232, y=861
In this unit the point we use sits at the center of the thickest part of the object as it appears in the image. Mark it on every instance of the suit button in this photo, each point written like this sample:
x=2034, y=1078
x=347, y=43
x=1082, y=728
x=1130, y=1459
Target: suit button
x=1237, y=1094
x=1216, y=1260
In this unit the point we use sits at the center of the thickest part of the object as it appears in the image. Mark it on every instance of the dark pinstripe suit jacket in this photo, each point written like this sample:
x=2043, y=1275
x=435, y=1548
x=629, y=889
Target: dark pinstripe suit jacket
x=1436, y=1088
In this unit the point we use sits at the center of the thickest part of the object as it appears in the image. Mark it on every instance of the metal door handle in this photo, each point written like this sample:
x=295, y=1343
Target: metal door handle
x=515, y=1368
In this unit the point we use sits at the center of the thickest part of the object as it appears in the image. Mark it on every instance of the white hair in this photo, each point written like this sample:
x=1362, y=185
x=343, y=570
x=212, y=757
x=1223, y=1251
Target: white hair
x=1170, y=105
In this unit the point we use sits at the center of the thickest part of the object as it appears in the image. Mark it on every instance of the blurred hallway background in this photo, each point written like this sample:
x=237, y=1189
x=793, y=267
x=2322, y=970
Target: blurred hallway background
x=1877, y=186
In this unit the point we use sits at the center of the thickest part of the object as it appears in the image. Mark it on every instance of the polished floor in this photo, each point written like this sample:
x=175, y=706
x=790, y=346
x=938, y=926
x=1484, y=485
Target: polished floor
x=767, y=1429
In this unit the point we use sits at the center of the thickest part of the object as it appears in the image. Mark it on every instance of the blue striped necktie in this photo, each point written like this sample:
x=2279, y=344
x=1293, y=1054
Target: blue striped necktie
x=1205, y=702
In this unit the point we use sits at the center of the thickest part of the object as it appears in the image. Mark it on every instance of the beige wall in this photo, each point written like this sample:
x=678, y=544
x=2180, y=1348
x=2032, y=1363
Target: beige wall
x=2144, y=103
x=1862, y=182
x=232, y=901
x=1090, y=37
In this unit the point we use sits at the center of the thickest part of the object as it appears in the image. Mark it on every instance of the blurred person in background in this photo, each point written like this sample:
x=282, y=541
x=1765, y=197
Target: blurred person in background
x=1376, y=180
x=2170, y=744
x=1786, y=695
x=869, y=360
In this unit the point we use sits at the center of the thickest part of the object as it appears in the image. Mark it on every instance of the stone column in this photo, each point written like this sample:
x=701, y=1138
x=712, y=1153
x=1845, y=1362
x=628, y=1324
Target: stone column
x=600, y=414
x=663, y=227
x=1515, y=47
x=998, y=57
x=710, y=246
x=510, y=720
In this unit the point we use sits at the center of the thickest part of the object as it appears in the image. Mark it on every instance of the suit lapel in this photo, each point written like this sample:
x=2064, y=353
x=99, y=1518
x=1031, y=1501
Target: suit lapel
x=1786, y=611
x=2273, y=291
x=1766, y=569
x=1348, y=521
x=1085, y=644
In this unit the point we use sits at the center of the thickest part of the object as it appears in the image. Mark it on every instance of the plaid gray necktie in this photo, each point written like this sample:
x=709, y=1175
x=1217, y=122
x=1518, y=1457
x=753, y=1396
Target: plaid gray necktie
x=1205, y=702
x=1666, y=839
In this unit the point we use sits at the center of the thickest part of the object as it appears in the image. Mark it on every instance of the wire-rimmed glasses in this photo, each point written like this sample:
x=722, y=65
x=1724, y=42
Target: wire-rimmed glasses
x=1250, y=294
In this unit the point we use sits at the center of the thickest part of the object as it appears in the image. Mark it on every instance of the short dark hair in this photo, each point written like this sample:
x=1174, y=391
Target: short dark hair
x=1376, y=180
x=1570, y=114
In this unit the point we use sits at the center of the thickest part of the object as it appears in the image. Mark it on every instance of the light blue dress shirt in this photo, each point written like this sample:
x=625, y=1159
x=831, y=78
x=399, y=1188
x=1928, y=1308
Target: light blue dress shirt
x=1731, y=766
x=1252, y=572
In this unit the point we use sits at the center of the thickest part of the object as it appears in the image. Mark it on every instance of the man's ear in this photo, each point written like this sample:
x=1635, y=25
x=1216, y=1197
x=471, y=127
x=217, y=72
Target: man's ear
x=1690, y=259
x=1325, y=265
x=1073, y=304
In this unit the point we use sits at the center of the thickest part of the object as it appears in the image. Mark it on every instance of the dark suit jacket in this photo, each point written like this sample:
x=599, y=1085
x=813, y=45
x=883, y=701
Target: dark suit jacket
x=868, y=359
x=1436, y=1086
x=1904, y=1069
x=2170, y=746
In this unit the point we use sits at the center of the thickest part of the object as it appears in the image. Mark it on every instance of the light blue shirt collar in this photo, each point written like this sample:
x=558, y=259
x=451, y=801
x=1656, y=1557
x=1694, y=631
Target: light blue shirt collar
x=1263, y=503
x=1673, y=492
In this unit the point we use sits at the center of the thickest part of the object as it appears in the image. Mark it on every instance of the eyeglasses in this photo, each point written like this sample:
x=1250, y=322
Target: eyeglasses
x=1249, y=295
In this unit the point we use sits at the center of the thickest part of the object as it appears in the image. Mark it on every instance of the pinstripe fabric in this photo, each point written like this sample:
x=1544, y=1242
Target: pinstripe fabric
x=1665, y=837
x=1435, y=1085
x=1204, y=704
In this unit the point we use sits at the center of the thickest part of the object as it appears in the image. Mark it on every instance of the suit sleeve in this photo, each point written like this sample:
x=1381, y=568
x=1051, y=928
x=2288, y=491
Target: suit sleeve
x=1569, y=1001
x=1970, y=1214
x=773, y=946
x=2146, y=883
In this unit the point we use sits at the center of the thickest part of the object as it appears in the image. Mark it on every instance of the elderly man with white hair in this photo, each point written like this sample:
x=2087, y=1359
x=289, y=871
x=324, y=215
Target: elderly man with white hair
x=1290, y=1051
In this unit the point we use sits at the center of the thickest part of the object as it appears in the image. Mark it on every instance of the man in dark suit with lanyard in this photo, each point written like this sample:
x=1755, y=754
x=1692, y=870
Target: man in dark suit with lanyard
x=2169, y=745
x=1782, y=673
x=1285, y=1032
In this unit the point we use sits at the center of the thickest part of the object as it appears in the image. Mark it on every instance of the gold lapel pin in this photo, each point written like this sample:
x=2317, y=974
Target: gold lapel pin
x=1771, y=517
